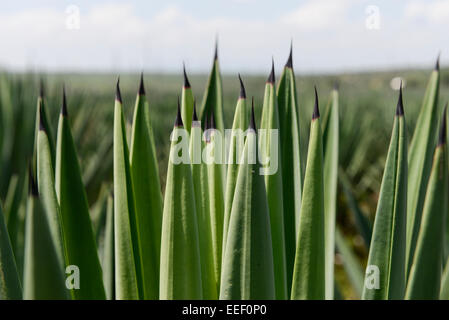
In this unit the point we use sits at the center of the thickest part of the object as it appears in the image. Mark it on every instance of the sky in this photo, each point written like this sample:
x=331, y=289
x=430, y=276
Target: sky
x=158, y=36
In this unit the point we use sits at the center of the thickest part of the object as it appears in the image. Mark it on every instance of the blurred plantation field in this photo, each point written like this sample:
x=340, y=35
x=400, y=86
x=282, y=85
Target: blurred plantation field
x=367, y=104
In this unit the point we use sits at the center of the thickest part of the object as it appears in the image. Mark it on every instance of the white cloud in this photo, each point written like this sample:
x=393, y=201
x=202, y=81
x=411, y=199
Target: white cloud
x=117, y=37
x=431, y=11
x=317, y=14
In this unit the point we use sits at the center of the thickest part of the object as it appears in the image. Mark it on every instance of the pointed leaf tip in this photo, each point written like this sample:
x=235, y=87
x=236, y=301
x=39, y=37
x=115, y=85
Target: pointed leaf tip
x=271, y=78
x=118, y=95
x=194, y=117
x=400, y=106
x=41, y=88
x=316, y=110
x=289, y=63
x=32, y=185
x=186, y=80
x=437, y=64
x=336, y=85
x=216, y=50
x=178, y=120
x=242, y=89
x=442, y=137
x=141, y=86
x=64, y=103
x=252, y=122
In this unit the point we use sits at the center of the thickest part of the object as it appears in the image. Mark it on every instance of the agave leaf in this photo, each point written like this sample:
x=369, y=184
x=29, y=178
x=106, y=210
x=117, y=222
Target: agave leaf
x=43, y=275
x=387, y=250
x=215, y=165
x=309, y=269
x=128, y=274
x=420, y=162
x=269, y=146
x=213, y=96
x=425, y=274
x=77, y=228
x=363, y=224
x=200, y=185
x=148, y=197
x=330, y=145
x=180, y=275
x=48, y=197
x=15, y=217
x=108, y=251
x=291, y=161
x=43, y=122
x=350, y=263
x=248, y=271
x=187, y=103
x=236, y=145
x=10, y=288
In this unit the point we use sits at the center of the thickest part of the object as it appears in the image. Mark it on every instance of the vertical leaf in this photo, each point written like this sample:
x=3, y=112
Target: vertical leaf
x=77, y=228
x=420, y=161
x=48, y=197
x=270, y=149
x=236, y=145
x=10, y=288
x=425, y=274
x=291, y=161
x=148, y=197
x=108, y=251
x=214, y=148
x=387, y=250
x=248, y=271
x=200, y=185
x=128, y=275
x=180, y=276
x=43, y=275
x=330, y=150
x=309, y=270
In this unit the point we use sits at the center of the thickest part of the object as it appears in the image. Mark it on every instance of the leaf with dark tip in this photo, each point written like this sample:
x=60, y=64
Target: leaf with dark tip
x=271, y=162
x=77, y=227
x=291, y=164
x=148, y=196
x=187, y=103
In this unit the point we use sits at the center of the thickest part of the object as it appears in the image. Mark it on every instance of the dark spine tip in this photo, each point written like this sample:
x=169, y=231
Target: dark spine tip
x=186, y=80
x=212, y=120
x=118, y=95
x=64, y=102
x=32, y=186
x=242, y=89
x=400, y=106
x=442, y=137
x=141, y=86
x=194, y=117
x=252, y=121
x=271, y=75
x=289, y=63
x=41, y=118
x=41, y=88
x=316, y=110
x=336, y=85
x=437, y=64
x=216, y=50
x=178, y=121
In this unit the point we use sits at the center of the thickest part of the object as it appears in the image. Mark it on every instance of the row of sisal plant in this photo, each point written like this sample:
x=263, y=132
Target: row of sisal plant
x=223, y=231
